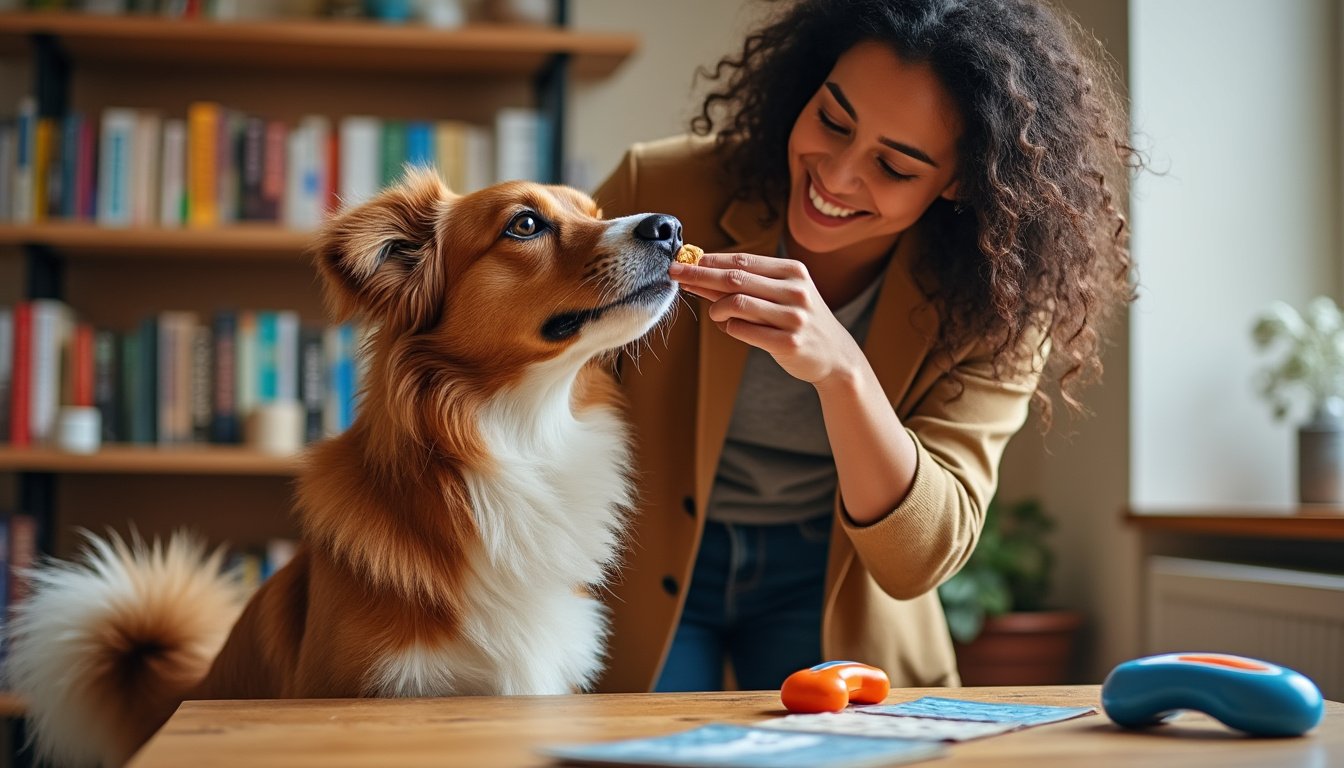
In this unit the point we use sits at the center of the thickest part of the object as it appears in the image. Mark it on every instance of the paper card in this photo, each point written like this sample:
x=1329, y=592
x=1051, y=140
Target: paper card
x=979, y=711
x=721, y=745
x=856, y=723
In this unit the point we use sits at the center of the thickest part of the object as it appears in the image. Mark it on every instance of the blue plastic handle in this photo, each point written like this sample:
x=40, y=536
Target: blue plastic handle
x=1247, y=694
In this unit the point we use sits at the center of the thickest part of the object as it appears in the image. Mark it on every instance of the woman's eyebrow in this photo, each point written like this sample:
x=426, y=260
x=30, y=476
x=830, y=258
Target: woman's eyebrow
x=904, y=149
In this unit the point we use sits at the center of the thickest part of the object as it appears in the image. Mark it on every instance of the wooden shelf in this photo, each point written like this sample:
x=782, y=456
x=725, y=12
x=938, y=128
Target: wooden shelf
x=149, y=459
x=326, y=44
x=1317, y=524
x=86, y=239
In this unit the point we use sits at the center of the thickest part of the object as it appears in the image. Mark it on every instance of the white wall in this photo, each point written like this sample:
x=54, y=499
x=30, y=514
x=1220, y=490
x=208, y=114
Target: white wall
x=1239, y=101
x=650, y=96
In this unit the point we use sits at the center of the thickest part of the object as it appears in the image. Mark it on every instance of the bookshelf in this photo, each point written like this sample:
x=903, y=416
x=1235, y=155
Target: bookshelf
x=334, y=45
x=112, y=277
x=86, y=240
x=230, y=494
x=151, y=459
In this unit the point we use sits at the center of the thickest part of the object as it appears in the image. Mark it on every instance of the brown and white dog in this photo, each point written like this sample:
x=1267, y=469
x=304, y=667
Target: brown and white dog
x=450, y=537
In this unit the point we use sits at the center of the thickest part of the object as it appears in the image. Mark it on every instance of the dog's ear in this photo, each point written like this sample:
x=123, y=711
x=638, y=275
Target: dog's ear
x=376, y=259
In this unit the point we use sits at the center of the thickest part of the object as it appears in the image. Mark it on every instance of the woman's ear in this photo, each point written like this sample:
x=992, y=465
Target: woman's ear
x=950, y=192
x=376, y=260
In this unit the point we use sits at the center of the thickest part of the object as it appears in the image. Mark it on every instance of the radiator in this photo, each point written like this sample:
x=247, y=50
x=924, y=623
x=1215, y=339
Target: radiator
x=1293, y=618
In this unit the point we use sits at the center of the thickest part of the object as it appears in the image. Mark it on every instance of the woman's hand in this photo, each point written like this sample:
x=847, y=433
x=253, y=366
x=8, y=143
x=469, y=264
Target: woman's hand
x=771, y=303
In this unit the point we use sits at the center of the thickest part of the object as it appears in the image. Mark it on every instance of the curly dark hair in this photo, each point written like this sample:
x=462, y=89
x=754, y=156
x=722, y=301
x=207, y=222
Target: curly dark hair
x=1036, y=239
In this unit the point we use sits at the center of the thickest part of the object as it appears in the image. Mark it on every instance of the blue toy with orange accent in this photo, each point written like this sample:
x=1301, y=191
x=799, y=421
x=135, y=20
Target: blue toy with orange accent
x=1250, y=695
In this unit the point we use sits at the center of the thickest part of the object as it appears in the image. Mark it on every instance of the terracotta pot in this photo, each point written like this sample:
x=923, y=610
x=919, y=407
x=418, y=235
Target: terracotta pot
x=1028, y=648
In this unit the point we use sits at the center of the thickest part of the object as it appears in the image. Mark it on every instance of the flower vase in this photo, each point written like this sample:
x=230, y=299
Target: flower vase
x=1320, y=455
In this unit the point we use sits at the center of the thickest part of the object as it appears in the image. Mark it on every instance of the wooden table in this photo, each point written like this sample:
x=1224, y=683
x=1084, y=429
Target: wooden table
x=499, y=732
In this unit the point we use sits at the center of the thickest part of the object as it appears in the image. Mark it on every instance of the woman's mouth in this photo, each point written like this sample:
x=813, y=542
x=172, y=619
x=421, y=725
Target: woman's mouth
x=825, y=212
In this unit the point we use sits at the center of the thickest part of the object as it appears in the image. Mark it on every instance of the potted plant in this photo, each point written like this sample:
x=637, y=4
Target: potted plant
x=995, y=605
x=1311, y=362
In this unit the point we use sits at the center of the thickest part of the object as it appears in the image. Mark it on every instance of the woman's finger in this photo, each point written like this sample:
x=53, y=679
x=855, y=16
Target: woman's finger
x=754, y=310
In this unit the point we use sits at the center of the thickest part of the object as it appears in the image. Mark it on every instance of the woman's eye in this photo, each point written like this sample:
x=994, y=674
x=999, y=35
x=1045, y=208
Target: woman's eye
x=525, y=225
x=893, y=173
x=831, y=124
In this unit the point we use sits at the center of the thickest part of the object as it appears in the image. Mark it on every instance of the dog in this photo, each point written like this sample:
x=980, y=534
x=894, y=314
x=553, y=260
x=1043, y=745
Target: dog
x=451, y=538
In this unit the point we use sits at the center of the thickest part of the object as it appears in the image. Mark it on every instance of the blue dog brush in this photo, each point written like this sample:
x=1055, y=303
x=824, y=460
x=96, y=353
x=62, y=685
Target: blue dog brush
x=1249, y=695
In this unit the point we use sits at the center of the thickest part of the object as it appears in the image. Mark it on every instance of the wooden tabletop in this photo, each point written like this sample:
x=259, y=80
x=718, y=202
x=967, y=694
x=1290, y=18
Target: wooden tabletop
x=503, y=732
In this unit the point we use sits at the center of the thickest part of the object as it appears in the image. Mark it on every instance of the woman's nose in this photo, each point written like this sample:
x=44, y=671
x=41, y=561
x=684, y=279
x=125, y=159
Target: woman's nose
x=839, y=173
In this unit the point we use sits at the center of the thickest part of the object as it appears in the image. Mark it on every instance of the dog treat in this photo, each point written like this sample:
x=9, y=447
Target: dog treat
x=690, y=254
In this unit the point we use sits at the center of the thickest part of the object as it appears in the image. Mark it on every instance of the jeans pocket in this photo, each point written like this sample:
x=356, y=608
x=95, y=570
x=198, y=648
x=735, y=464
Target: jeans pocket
x=817, y=530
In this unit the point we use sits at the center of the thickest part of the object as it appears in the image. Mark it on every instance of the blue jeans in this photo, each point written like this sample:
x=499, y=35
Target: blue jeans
x=755, y=600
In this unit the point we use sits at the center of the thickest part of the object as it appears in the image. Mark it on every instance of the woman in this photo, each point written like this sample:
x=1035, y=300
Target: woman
x=908, y=204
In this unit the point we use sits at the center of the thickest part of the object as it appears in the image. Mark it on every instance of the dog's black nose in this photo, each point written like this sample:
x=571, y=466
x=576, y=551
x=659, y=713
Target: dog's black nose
x=660, y=228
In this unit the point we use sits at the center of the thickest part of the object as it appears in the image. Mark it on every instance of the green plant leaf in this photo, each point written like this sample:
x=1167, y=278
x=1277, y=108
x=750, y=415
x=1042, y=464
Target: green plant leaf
x=964, y=623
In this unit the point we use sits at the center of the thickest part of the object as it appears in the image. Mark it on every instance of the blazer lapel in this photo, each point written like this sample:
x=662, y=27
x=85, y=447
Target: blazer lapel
x=722, y=357
x=904, y=324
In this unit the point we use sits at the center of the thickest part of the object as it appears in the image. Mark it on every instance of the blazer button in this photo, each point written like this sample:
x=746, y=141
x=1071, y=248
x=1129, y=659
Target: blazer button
x=670, y=585
x=688, y=504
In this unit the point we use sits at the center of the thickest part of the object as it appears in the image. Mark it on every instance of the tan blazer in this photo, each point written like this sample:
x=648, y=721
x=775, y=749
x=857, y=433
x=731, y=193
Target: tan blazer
x=881, y=605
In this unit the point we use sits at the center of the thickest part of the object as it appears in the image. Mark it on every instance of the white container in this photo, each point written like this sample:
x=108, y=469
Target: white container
x=276, y=428
x=79, y=429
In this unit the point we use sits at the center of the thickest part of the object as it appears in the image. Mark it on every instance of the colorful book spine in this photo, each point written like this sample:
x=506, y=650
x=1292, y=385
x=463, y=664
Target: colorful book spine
x=22, y=555
x=6, y=368
x=115, y=163
x=224, y=426
x=173, y=179
x=312, y=381
x=23, y=165
x=51, y=331
x=106, y=384
x=145, y=174
x=203, y=120
x=21, y=389
x=201, y=380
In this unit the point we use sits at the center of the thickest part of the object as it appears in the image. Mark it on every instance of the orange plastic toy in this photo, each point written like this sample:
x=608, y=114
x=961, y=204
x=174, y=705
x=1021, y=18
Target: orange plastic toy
x=832, y=686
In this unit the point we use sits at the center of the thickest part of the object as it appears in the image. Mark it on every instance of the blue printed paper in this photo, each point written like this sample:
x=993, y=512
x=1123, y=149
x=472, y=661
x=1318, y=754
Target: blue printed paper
x=1022, y=715
x=734, y=746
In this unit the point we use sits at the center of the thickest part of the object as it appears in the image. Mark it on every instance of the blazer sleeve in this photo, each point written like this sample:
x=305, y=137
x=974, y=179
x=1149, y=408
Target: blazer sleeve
x=959, y=439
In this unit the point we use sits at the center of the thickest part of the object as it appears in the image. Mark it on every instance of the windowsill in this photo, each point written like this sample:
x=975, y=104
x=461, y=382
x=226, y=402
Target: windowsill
x=1310, y=522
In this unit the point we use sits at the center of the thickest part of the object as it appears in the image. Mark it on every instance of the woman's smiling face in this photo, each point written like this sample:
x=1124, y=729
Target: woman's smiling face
x=873, y=148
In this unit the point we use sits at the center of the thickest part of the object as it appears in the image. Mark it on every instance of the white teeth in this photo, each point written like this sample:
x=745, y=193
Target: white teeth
x=825, y=207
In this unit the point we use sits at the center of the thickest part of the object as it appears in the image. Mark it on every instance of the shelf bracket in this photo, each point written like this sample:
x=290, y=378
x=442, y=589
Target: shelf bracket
x=51, y=76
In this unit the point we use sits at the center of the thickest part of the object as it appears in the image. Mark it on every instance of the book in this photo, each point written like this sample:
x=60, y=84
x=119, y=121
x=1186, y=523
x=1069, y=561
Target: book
x=26, y=129
x=203, y=139
x=23, y=554
x=51, y=330
x=116, y=159
x=173, y=174
x=21, y=376
x=517, y=144
x=224, y=425
x=361, y=172
x=392, y=151
x=106, y=384
x=6, y=368
x=312, y=381
x=145, y=174
x=202, y=379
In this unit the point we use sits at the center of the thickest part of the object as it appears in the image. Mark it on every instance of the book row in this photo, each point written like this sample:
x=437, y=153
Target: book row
x=217, y=165
x=177, y=378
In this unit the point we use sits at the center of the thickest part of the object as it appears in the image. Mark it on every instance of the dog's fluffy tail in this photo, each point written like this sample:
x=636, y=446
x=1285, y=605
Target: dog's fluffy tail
x=104, y=649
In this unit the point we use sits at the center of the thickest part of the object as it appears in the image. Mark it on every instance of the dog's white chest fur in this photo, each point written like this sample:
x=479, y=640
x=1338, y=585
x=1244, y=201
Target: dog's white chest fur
x=549, y=514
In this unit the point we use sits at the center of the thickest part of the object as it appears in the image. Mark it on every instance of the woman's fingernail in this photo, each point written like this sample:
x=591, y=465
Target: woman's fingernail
x=676, y=268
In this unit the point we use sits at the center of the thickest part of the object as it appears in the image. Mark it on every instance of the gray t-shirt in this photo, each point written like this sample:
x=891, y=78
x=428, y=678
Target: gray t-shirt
x=776, y=465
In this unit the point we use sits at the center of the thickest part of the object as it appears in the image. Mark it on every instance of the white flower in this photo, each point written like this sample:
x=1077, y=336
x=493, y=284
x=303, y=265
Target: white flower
x=1311, y=348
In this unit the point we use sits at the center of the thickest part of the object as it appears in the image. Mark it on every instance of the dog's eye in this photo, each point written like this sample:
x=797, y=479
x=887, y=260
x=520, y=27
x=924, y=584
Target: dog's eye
x=525, y=226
